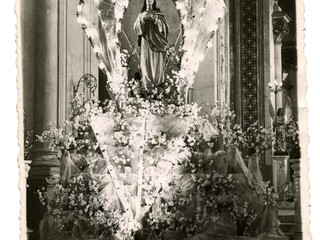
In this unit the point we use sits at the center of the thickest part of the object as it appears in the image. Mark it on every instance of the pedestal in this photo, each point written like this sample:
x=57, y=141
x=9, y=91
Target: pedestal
x=280, y=170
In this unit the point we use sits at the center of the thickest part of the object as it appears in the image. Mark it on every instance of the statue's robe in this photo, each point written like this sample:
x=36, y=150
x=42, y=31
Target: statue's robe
x=154, y=43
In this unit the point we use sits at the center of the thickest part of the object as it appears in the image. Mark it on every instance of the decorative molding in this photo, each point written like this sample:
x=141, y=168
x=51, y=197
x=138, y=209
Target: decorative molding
x=280, y=23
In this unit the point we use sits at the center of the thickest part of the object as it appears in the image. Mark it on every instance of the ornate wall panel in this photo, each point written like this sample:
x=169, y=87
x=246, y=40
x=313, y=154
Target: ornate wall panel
x=249, y=62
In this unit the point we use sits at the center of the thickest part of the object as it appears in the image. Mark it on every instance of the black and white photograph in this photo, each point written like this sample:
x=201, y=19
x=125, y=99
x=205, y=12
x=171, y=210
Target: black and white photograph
x=162, y=120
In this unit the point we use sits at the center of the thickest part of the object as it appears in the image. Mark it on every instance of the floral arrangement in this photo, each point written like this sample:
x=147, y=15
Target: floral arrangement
x=127, y=56
x=80, y=204
x=76, y=134
x=134, y=87
x=242, y=214
x=57, y=139
x=183, y=78
x=216, y=190
x=77, y=137
x=268, y=194
x=292, y=135
x=287, y=193
x=175, y=220
x=223, y=119
x=173, y=58
x=214, y=194
x=257, y=139
x=164, y=200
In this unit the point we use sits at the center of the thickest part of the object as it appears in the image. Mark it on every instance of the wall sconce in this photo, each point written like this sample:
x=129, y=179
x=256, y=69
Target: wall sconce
x=275, y=87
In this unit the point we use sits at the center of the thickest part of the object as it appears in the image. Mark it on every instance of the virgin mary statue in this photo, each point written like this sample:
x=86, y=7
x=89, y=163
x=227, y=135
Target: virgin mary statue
x=152, y=29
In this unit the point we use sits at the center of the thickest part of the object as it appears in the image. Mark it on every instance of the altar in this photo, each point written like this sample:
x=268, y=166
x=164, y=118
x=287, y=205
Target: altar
x=165, y=134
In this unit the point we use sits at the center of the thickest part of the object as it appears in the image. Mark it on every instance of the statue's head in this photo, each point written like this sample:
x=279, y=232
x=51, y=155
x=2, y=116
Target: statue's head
x=150, y=2
x=149, y=5
x=280, y=112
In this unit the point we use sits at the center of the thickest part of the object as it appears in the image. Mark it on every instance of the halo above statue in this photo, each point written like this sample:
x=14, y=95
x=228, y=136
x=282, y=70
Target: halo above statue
x=199, y=21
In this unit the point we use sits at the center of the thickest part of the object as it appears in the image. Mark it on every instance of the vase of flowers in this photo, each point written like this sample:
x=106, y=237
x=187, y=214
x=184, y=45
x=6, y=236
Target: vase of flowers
x=243, y=215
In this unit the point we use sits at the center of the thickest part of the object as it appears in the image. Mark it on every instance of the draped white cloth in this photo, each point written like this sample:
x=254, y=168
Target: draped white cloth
x=267, y=227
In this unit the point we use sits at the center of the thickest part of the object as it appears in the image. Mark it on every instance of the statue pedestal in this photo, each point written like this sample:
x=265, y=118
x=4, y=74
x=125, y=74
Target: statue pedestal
x=280, y=171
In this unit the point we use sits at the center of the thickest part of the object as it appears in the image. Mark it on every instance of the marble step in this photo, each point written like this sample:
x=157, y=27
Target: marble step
x=287, y=218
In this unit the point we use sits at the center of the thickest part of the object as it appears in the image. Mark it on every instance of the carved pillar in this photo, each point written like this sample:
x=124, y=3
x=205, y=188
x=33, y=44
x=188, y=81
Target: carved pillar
x=296, y=178
x=280, y=23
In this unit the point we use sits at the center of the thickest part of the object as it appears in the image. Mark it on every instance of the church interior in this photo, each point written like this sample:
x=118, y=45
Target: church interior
x=244, y=65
